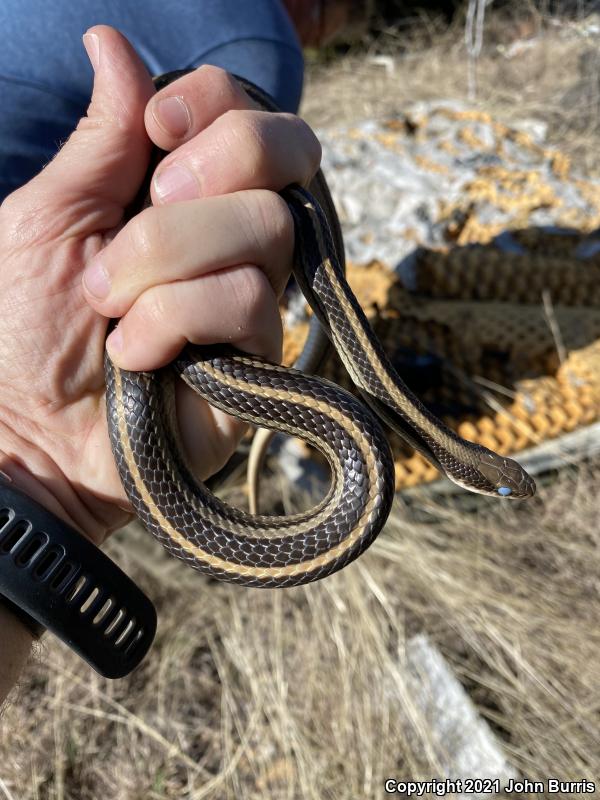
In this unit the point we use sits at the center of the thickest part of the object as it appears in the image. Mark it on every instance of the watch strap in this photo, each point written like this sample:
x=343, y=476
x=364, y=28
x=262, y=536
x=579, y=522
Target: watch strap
x=57, y=579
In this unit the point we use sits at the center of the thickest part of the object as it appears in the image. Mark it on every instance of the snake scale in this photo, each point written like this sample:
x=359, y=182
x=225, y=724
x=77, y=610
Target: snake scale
x=228, y=543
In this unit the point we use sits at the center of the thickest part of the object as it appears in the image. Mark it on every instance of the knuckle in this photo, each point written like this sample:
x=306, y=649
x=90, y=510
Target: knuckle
x=220, y=80
x=146, y=239
x=249, y=293
x=151, y=309
x=248, y=221
x=311, y=146
x=243, y=133
x=250, y=139
x=252, y=290
x=273, y=214
x=266, y=218
x=267, y=225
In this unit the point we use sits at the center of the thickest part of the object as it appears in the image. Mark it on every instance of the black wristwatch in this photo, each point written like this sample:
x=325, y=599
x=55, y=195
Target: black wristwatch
x=54, y=578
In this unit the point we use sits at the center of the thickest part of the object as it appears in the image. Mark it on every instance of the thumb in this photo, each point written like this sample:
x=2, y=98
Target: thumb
x=101, y=165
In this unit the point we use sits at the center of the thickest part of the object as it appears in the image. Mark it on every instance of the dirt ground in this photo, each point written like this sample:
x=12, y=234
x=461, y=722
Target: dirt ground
x=305, y=693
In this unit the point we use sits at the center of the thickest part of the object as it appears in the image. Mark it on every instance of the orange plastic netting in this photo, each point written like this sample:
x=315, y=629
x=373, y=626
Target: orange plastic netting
x=504, y=347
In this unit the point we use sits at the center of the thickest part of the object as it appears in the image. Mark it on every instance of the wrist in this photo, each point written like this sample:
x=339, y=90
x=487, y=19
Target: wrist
x=30, y=468
x=58, y=580
x=13, y=471
x=16, y=635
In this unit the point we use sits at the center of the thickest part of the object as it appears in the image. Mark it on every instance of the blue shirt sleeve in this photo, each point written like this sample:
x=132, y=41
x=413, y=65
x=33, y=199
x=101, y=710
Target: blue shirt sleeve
x=46, y=78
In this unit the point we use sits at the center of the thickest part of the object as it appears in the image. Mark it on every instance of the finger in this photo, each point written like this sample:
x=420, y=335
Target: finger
x=99, y=168
x=186, y=240
x=190, y=104
x=209, y=436
x=239, y=150
x=235, y=306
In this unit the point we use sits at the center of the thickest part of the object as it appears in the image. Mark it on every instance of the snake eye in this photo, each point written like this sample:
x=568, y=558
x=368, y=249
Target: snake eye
x=504, y=491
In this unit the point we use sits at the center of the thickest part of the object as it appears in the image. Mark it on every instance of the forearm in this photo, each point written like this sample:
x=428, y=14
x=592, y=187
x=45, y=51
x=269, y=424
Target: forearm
x=15, y=647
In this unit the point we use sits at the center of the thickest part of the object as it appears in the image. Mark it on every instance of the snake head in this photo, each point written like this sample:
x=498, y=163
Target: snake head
x=505, y=478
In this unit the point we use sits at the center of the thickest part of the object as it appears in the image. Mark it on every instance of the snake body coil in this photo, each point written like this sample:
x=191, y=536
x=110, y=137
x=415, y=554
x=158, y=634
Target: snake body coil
x=230, y=544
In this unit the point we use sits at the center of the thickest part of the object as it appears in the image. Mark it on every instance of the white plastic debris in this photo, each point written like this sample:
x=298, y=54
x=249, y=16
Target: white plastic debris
x=470, y=749
x=392, y=181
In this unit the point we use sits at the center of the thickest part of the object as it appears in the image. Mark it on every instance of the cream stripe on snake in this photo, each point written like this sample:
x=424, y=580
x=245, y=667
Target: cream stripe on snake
x=229, y=544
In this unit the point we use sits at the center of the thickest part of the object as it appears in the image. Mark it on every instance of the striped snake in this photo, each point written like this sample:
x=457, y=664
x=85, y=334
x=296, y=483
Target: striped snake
x=230, y=544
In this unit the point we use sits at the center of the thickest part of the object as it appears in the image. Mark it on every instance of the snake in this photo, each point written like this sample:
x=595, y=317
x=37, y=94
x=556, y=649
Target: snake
x=228, y=543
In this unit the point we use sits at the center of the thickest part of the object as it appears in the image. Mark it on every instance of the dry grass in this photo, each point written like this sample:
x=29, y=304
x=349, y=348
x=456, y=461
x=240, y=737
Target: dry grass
x=305, y=693
x=555, y=77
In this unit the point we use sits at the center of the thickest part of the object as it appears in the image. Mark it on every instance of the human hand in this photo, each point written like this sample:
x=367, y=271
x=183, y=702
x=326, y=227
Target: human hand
x=206, y=263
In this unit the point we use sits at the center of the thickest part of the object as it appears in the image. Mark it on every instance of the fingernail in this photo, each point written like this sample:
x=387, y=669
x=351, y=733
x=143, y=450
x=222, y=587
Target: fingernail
x=91, y=42
x=96, y=279
x=173, y=116
x=176, y=183
x=114, y=342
